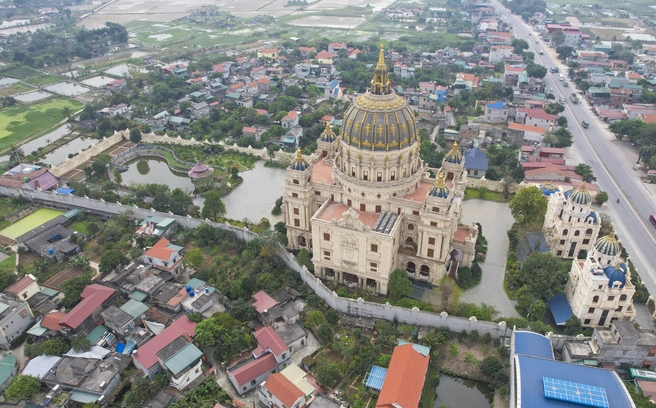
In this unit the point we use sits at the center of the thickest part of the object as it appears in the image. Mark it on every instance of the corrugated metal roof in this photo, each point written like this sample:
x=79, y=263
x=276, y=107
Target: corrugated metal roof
x=183, y=358
x=7, y=366
x=134, y=308
x=533, y=344
x=84, y=397
x=96, y=334
x=138, y=295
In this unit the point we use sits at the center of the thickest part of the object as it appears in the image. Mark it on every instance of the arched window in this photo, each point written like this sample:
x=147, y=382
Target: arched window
x=411, y=267
x=588, y=231
x=409, y=240
x=577, y=233
x=622, y=298
x=565, y=232
x=411, y=227
x=425, y=271
x=302, y=242
x=595, y=299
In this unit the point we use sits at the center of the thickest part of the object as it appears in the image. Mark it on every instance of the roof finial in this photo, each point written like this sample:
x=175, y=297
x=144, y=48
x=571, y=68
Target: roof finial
x=381, y=55
x=440, y=180
x=583, y=186
x=299, y=155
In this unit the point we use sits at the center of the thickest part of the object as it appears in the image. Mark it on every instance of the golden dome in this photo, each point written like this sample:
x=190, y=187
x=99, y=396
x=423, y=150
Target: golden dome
x=439, y=189
x=454, y=155
x=608, y=245
x=379, y=119
x=299, y=163
x=328, y=135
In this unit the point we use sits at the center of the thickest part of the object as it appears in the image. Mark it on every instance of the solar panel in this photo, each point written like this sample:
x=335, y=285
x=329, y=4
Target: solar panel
x=577, y=393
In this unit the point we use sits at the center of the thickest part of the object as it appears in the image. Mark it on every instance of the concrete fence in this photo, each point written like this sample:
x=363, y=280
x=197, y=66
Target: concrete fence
x=493, y=185
x=86, y=155
x=359, y=307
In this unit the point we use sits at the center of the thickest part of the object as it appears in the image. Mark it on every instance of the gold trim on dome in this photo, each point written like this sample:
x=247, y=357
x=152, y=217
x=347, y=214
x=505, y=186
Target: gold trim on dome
x=380, y=144
x=393, y=128
x=404, y=141
x=393, y=143
x=366, y=143
x=358, y=156
x=403, y=126
x=371, y=158
x=387, y=158
x=356, y=126
x=380, y=129
x=367, y=129
x=349, y=121
x=400, y=156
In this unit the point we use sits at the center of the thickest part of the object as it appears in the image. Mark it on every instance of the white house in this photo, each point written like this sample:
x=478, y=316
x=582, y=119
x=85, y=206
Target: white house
x=164, y=256
x=278, y=391
x=24, y=288
x=500, y=53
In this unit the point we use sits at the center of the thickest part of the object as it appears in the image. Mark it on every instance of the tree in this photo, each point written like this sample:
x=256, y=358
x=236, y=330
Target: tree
x=193, y=258
x=535, y=70
x=99, y=165
x=81, y=344
x=562, y=121
x=573, y=326
x=529, y=206
x=213, y=207
x=109, y=260
x=601, y=197
x=22, y=387
x=67, y=112
x=141, y=390
x=493, y=369
x=537, y=310
x=564, y=51
x=242, y=310
x=558, y=37
x=184, y=106
x=135, y=135
x=585, y=171
x=314, y=318
x=545, y=275
x=72, y=289
x=399, y=285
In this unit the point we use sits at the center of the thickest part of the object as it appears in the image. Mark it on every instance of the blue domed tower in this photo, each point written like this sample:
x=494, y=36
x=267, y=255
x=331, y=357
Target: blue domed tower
x=571, y=224
x=606, y=250
x=297, y=204
x=328, y=143
x=453, y=168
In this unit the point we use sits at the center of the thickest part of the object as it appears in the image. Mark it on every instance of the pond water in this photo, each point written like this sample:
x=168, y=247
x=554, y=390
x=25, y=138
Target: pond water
x=42, y=141
x=457, y=392
x=155, y=170
x=60, y=154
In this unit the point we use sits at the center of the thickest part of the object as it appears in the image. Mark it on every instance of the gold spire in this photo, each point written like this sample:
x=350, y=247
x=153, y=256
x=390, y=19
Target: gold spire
x=583, y=187
x=380, y=84
x=299, y=155
x=439, y=182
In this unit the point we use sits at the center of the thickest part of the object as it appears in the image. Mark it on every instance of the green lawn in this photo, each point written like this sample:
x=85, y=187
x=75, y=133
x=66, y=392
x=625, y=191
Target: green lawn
x=472, y=193
x=80, y=226
x=19, y=122
x=15, y=89
x=7, y=265
x=30, y=222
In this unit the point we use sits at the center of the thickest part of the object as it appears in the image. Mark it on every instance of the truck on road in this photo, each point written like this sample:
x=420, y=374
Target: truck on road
x=574, y=98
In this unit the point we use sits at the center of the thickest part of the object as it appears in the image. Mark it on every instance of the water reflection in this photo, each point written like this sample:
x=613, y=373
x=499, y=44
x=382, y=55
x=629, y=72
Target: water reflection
x=457, y=392
x=60, y=154
x=42, y=141
x=155, y=170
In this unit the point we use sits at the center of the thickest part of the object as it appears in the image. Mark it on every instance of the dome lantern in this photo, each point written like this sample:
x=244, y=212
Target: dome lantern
x=608, y=245
x=328, y=135
x=439, y=189
x=580, y=195
x=454, y=155
x=299, y=163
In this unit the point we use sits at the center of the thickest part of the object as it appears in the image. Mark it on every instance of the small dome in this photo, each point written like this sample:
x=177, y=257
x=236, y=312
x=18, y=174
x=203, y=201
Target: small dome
x=616, y=273
x=299, y=163
x=580, y=195
x=548, y=188
x=608, y=245
x=328, y=135
x=454, y=155
x=593, y=215
x=439, y=189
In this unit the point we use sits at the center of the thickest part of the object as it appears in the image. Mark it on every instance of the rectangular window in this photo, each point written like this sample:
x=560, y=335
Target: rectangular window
x=317, y=193
x=611, y=298
x=297, y=222
x=586, y=241
x=436, y=209
x=430, y=253
x=296, y=211
x=374, y=248
x=295, y=195
x=326, y=255
x=562, y=242
x=379, y=176
x=373, y=267
x=431, y=241
x=591, y=310
x=393, y=176
x=295, y=181
x=352, y=171
x=326, y=236
x=586, y=322
x=475, y=172
x=378, y=209
x=348, y=202
x=433, y=224
x=415, y=213
x=365, y=175
x=363, y=207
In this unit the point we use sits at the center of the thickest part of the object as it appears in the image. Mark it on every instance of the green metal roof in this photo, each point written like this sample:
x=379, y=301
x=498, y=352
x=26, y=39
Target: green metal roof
x=84, y=397
x=72, y=213
x=138, y=295
x=37, y=330
x=49, y=292
x=96, y=334
x=165, y=222
x=3, y=307
x=134, y=308
x=183, y=359
x=7, y=366
x=175, y=247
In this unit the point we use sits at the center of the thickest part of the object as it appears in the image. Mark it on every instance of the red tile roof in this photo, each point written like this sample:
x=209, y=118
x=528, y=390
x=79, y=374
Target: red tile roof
x=92, y=297
x=20, y=285
x=267, y=338
x=325, y=55
x=283, y=389
x=254, y=369
x=405, y=378
x=146, y=355
x=291, y=115
x=263, y=301
x=537, y=113
x=51, y=320
x=160, y=250
x=526, y=128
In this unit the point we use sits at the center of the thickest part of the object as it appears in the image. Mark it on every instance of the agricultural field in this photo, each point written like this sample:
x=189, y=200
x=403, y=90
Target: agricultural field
x=19, y=122
x=14, y=89
x=39, y=217
x=30, y=76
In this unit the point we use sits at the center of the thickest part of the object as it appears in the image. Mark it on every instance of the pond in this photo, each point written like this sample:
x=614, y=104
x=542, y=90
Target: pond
x=154, y=170
x=457, y=392
x=60, y=154
x=42, y=141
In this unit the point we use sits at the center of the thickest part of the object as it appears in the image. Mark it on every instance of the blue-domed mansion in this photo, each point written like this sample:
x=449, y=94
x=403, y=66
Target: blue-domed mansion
x=364, y=204
x=599, y=289
x=571, y=225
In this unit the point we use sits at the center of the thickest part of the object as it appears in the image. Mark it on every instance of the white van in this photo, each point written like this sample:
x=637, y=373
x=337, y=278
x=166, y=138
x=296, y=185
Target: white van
x=561, y=77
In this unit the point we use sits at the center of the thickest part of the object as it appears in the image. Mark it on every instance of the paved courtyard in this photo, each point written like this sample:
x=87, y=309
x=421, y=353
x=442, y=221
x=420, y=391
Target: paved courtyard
x=496, y=221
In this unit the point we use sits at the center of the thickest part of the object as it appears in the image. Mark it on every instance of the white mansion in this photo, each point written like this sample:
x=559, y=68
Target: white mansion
x=364, y=204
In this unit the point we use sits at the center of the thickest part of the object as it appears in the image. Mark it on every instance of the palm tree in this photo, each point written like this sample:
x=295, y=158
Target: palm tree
x=16, y=152
x=66, y=110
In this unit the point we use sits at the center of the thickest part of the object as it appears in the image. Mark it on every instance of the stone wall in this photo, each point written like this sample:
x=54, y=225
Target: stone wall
x=88, y=154
x=493, y=185
x=359, y=307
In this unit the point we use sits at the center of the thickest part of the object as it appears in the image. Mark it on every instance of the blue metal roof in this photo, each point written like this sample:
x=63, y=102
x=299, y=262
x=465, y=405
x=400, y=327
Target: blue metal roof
x=560, y=309
x=533, y=344
x=495, y=105
x=531, y=371
x=475, y=159
x=375, y=378
x=65, y=191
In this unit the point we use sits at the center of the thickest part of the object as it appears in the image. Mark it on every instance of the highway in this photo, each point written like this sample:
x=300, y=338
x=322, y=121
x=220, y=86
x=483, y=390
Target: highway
x=612, y=161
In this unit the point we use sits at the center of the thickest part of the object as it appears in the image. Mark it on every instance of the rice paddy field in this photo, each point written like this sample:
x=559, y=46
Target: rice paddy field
x=39, y=217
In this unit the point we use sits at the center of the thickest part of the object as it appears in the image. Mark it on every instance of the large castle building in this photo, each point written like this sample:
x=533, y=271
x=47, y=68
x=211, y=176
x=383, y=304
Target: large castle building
x=599, y=289
x=364, y=203
x=571, y=225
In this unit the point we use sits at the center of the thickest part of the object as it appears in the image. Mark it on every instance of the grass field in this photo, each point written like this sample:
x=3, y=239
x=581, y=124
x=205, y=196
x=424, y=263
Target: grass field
x=19, y=122
x=15, y=89
x=31, y=76
x=30, y=222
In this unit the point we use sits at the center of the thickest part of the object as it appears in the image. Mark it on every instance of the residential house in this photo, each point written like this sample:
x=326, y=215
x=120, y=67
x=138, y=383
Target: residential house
x=86, y=314
x=50, y=240
x=496, y=112
x=305, y=52
x=476, y=163
x=573, y=38
x=200, y=81
x=178, y=123
x=267, y=307
x=8, y=369
x=178, y=69
x=157, y=226
x=524, y=134
x=24, y=288
x=622, y=343
x=268, y=53
x=164, y=256
x=240, y=99
x=15, y=318
x=293, y=334
x=405, y=377
x=116, y=110
x=325, y=57
x=403, y=70
x=332, y=90
x=182, y=361
x=258, y=72
x=200, y=110
x=535, y=117
x=334, y=47
x=91, y=380
x=145, y=357
x=353, y=55
x=264, y=84
x=254, y=132
x=499, y=53
x=116, y=85
x=279, y=391
x=290, y=120
x=171, y=296
x=122, y=320
x=293, y=136
x=465, y=82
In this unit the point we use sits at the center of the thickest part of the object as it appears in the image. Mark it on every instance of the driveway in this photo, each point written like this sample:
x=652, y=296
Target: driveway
x=496, y=220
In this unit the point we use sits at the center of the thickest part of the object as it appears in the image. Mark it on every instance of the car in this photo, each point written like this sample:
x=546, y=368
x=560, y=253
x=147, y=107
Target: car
x=529, y=34
x=551, y=90
x=585, y=124
x=562, y=101
x=565, y=84
x=537, y=41
x=541, y=52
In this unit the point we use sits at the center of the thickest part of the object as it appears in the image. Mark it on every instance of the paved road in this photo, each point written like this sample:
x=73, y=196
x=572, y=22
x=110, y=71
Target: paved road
x=612, y=162
x=490, y=290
